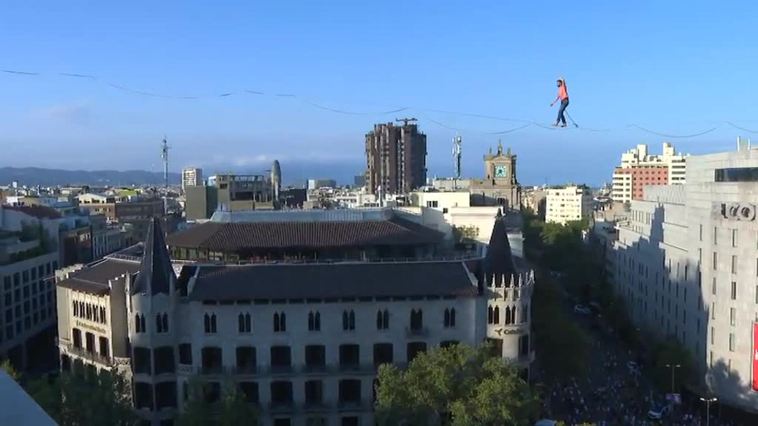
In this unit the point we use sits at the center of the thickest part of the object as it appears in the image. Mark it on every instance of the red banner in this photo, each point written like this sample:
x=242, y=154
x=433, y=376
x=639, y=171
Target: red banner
x=755, y=356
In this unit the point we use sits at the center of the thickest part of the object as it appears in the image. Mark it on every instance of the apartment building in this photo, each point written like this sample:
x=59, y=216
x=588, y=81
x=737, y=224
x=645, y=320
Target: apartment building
x=568, y=203
x=639, y=169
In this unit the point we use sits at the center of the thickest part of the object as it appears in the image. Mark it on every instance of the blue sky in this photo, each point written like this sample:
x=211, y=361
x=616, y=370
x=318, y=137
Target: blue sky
x=673, y=67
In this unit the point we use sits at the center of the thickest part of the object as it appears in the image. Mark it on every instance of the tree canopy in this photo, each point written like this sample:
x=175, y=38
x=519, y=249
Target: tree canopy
x=231, y=410
x=458, y=386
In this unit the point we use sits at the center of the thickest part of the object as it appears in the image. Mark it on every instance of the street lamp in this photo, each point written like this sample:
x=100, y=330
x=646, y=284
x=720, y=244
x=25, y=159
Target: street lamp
x=708, y=409
x=673, y=368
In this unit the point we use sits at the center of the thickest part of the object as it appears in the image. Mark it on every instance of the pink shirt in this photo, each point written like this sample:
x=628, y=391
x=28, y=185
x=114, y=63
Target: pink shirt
x=562, y=92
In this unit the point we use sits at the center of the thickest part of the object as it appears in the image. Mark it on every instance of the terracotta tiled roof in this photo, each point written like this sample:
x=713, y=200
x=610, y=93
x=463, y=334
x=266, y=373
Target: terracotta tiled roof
x=333, y=280
x=235, y=236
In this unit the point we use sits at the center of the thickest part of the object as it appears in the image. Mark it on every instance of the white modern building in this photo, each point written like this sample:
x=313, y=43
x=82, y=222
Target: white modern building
x=568, y=203
x=192, y=176
x=302, y=340
x=686, y=262
x=638, y=169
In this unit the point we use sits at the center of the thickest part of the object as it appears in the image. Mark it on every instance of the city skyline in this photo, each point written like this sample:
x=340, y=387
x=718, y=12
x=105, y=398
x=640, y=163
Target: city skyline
x=499, y=69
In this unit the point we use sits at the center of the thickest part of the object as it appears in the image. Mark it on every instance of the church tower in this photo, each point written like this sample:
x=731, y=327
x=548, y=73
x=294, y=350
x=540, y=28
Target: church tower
x=500, y=184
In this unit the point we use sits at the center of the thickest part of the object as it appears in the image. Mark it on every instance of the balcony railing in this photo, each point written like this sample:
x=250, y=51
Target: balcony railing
x=416, y=332
x=90, y=356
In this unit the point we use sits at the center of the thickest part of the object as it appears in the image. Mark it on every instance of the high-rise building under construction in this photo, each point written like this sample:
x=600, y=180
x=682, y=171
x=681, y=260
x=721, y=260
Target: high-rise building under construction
x=395, y=158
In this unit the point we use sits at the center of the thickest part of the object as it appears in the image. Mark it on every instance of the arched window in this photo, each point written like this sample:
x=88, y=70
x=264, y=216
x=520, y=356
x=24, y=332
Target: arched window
x=137, y=325
x=452, y=317
x=490, y=315
x=142, y=323
x=158, y=323
x=382, y=320
x=386, y=320
x=345, y=320
x=351, y=322
x=508, y=317
x=210, y=323
x=446, y=321
x=241, y=323
x=89, y=311
x=165, y=322
x=76, y=309
x=379, y=320
x=496, y=315
x=213, y=323
x=314, y=321
x=280, y=322
x=103, y=317
x=248, y=323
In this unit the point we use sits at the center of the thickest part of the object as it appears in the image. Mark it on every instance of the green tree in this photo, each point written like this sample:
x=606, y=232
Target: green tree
x=457, y=385
x=10, y=369
x=231, y=410
x=84, y=398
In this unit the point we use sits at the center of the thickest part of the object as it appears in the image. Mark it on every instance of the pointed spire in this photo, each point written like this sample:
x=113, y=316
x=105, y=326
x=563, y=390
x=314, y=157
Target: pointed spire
x=155, y=274
x=499, y=260
x=499, y=147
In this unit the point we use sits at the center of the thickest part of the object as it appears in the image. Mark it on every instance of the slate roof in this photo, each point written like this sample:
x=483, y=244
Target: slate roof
x=94, y=277
x=155, y=272
x=332, y=280
x=238, y=236
x=499, y=259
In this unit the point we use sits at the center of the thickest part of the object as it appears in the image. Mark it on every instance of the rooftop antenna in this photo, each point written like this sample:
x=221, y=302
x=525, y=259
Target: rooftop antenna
x=405, y=120
x=164, y=157
x=457, y=150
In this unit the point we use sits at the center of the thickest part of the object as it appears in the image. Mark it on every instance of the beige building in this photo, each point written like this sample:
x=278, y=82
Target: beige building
x=569, y=203
x=302, y=341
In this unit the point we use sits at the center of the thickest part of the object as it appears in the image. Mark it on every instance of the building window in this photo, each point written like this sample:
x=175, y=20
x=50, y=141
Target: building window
x=244, y=323
x=713, y=310
x=715, y=235
x=280, y=322
x=734, y=290
x=734, y=238
x=417, y=319
x=139, y=323
x=732, y=316
x=713, y=287
x=382, y=320
x=713, y=335
x=185, y=353
x=734, y=264
x=210, y=323
x=314, y=321
x=161, y=323
x=348, y=320
x=449, y=321
x=731, y=342
x=715, y=261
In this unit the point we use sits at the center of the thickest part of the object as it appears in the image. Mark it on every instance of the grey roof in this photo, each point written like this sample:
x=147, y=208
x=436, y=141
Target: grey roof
x=155, y=272
x=94, y=277
x=499, y=260
x=332, y=280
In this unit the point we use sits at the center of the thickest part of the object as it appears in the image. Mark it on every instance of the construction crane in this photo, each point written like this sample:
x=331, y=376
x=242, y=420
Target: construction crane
x=405, y=120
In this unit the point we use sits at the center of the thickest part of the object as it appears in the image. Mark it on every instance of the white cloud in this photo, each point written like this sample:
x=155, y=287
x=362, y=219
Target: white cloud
x=79, y=113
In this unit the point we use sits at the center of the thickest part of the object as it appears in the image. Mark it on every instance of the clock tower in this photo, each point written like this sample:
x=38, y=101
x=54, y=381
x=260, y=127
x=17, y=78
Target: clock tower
x=500, y=168
x=500, y=185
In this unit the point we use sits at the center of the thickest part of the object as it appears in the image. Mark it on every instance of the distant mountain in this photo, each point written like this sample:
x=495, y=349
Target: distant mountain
x=31, y=176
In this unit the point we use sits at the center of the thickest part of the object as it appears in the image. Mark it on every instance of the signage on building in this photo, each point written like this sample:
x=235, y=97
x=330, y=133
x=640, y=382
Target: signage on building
x=735, y=211
x=755, y=356
x=86, y=326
